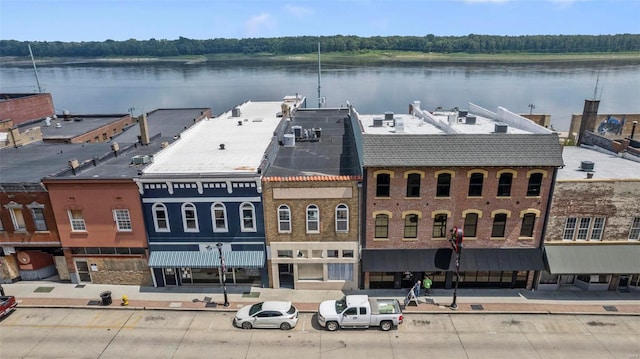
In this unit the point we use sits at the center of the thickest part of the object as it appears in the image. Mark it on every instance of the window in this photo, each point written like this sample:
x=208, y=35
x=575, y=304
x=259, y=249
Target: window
x=219, y=212
x=248, y=216
x=340, y=271
x=310, y=271
x=440, y=226
x=475, y=184
x=189, y=218
x=382, y=226
x=444, y=185
x=284, y=219
x=583, y=229
x=470, y=224
x=411, y=226
x=1, y=225
x=17, y=218
x=499, y=225
x=38, y=219
x=342, y=218
x=383, y=185
x=122, y=219
x=160, y=218
x=504, y=184
x=634, y=232
x=313, y=219
x=535, y=183
x=528, y=222
x=413, y=185
x=77, y=221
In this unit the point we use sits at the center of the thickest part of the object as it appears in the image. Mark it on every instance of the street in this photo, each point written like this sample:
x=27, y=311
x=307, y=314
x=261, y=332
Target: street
x=123, y=333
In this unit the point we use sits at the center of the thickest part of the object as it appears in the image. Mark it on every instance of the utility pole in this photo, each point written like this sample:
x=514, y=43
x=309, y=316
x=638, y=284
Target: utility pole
x=35, y=71
x=223, y=269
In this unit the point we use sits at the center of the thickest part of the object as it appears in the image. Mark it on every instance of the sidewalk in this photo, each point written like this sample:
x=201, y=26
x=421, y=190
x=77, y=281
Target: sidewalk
x=481, y=301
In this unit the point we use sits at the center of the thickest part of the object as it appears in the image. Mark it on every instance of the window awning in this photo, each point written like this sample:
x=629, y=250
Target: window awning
x=208, y=259
x=443, y=259
x=593, y=259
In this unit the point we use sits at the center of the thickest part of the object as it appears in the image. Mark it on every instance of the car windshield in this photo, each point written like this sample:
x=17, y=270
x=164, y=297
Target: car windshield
x=255, y=308
x=341, y=304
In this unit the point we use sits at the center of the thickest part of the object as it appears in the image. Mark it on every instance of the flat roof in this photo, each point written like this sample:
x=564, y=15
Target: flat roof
x=473, y=120
x=73, y=126
x=232, y=143
x=325, y=147
x=606, y=165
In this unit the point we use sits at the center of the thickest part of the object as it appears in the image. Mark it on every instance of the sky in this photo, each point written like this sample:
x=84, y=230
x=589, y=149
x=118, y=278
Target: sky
x=100, y=20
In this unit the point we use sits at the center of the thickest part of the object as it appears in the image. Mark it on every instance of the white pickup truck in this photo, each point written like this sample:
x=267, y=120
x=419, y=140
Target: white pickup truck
x=359, y=311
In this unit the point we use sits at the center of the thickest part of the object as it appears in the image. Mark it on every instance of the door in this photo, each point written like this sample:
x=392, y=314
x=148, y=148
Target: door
x=268, y=319
x=170, y=276
x=355, y=317
x=285, y=274
x=82, y=267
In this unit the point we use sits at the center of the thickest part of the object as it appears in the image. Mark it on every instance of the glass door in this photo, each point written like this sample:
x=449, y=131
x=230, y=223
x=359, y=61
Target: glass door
x=82, y=267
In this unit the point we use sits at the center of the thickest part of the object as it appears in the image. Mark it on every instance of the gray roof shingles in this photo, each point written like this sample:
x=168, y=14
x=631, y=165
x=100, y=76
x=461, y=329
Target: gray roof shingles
x=462, y=150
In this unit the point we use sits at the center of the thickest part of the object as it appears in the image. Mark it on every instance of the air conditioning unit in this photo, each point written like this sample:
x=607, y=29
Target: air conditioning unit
x=140, y=160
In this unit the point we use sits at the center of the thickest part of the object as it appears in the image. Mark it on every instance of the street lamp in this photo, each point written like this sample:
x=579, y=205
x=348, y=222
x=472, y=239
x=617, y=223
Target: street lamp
x=456, y=243
x=223, y=269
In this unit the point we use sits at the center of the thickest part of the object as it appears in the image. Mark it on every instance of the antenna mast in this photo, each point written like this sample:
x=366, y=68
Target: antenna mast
x=35, y=71
x=595, y=91
x=319, y=96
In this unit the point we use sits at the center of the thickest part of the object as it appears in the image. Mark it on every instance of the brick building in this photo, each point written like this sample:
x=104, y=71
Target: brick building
x=311, y=198
x=21, y=108
x=425, y=173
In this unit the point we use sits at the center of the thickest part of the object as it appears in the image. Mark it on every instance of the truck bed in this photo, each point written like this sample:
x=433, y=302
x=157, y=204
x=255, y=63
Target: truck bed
x=384, y=306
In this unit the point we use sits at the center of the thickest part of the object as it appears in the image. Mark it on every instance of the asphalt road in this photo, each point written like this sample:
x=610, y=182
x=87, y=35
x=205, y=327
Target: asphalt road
x=103, y=333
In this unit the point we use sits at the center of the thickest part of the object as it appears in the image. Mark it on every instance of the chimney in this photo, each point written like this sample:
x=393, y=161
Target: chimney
x=73, y=164
x=589, y=115
x=144, y=130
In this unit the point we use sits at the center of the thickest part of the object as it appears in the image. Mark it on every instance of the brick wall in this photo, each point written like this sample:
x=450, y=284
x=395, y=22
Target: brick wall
x=26, y=108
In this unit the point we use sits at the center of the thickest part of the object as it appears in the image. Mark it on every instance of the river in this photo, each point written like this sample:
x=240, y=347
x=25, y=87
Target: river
x=558, y=89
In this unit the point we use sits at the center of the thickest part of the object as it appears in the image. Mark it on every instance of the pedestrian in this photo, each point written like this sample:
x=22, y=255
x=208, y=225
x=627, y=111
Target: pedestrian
x=426, y=284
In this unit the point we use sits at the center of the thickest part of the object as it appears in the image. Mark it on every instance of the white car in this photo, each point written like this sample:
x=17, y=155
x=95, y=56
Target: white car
x=269, y=314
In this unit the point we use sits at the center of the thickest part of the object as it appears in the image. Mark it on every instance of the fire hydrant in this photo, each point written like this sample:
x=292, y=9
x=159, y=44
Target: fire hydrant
x=125, y=300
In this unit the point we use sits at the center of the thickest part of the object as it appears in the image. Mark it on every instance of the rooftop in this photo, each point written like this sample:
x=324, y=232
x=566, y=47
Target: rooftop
x=61, y=128
x=602, y=164
x=324, y=148
x=232, y=143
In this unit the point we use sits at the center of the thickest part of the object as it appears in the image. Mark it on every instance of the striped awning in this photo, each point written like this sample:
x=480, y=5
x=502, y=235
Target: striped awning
x=208, y=259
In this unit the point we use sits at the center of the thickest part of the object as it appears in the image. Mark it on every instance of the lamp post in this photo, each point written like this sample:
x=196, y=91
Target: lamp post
x=223, y=269
x=456, y=243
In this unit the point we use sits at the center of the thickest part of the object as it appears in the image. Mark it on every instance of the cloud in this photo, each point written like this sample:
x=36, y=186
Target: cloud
x=298, y=11
x=256, y=25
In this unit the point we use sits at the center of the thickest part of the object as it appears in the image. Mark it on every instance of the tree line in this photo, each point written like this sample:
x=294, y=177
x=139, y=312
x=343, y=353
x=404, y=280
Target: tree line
x=472, y=44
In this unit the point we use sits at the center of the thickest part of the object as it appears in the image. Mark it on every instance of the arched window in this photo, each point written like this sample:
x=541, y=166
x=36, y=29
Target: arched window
x=470, y=225
x=535, y=185
x=444, y=185
x=160, y=217
x=382, y=226
x=475, y=185
x=413, y=185
x=499, y=225
x=219, y=212
x=411, y=226
x=313, y=219
x=528, y=222
x=189, y=218
x=284, y=219
x=440, y=225
x=248, y=217
x=504, y=184
x=342, y=218
x=383, y=185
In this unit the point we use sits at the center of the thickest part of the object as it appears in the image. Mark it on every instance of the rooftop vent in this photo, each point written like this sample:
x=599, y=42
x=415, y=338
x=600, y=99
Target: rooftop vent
x=470, y=120
x=297, y=131
x=377, y=122
x=235, y=112
x=586, y=166
x=222, y=146
x=289, y=140
x=388, y=116
x=115, y=147
x=463, y=113
x=501, y=128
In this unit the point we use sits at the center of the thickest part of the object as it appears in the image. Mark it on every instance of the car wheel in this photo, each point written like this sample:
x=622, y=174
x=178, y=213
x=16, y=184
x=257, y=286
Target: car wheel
x=386, y=325
x=246, y=325
x=332, y=326
x=285, y=326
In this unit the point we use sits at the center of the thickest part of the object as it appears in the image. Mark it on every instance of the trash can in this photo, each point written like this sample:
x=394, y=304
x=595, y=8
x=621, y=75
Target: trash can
x=106, y=297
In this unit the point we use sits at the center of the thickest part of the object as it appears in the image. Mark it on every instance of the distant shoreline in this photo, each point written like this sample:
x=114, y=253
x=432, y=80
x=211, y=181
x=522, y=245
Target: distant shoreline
x=386, y=57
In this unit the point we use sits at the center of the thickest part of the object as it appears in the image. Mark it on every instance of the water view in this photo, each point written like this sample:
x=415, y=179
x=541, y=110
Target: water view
x=555, y=89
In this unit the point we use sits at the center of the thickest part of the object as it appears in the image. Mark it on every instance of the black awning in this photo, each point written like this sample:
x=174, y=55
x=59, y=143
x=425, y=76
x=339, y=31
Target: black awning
x=443, y=259
x=400, y=260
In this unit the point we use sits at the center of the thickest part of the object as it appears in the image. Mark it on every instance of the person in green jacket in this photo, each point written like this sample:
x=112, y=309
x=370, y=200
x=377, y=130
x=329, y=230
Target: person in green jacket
x=426, y=284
